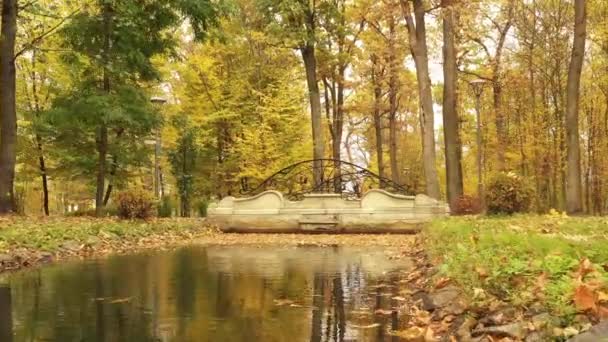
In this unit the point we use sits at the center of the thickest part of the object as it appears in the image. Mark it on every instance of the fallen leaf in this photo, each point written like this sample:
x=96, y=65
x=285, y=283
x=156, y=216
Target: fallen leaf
x=584, y=298
x=482, y=272
x=281, y=302
x=413, y=334
x=383, y=312
x=442, y=282
x=373, y=325
x=120, y=300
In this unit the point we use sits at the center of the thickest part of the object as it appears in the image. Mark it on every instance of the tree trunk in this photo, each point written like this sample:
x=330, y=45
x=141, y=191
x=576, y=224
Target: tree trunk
x=102, y=134
x=113, y=170
x=8, y=114
x=102, y=151
x=392, y=103
x=378, y=120
x=106, y=197
x=450, y=116
x=310, y=66
x=419, y=52
x=43, y=175
x=573, y=178
x=38, y=138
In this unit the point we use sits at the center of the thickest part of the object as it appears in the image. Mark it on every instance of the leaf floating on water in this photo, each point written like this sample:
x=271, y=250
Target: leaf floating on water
x=121, y=300
x=383, y=312
x=411, y=334
x=370, y=326
x=283, y=302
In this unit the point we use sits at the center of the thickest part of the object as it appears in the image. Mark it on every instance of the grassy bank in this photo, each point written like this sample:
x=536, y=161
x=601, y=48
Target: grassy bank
x=28, y=241
x=556, y=261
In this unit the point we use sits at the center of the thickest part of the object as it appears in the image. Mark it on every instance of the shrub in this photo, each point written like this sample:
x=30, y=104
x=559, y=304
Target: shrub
x=201, y=207
x=165, y=208
x=135, y=204
x=508, y=193
x=466, y=205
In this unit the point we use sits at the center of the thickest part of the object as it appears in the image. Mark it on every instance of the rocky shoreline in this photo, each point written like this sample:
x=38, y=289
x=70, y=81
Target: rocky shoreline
x=442, y=311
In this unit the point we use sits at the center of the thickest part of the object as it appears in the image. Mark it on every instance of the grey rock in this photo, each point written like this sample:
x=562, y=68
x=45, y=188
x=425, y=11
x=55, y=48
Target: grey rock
x=92, y=241
x=500, y=316
x=45, y=257
x=426, y=303
x=543, y=321
x=463, y=333
x=537, y=336
x=71, y=245
x=445, y=296
x=514, y=330
x=597, y=333
x=5, y=258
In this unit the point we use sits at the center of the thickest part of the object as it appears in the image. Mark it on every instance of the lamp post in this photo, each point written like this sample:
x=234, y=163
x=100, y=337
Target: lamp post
x=158, y=181
x=477, y=87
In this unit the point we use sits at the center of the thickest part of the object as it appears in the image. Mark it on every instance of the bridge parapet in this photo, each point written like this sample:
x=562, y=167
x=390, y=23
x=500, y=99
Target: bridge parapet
x=378, y=211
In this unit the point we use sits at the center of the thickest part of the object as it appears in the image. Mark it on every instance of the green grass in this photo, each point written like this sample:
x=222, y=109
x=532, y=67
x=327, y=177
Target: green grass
x=520, y=259
x=49, y=234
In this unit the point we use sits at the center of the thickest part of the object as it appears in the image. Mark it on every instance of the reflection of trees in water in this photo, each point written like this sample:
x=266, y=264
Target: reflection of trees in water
x=6, y=320
x=336, y=296
x=189, y=296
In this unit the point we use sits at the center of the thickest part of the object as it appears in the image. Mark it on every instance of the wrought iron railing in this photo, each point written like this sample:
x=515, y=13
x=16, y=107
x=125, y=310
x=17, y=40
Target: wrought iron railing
x=338, y=176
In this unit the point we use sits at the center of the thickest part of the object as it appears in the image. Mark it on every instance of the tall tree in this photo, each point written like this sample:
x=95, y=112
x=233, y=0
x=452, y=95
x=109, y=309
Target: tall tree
x=297, y=26
x=453, y=149
x=416, y=28
x=118, y=40
x=573, y=180
x=8, y=111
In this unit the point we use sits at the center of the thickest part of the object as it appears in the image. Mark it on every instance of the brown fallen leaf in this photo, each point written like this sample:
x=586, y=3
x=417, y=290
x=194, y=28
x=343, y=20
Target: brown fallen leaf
x=481, y=272
x=442, y=282
x=413, y=334
x=584, y=298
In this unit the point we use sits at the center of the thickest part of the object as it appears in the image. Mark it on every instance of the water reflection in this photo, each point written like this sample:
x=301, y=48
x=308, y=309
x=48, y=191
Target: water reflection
x=209, y=294
x=6, y=327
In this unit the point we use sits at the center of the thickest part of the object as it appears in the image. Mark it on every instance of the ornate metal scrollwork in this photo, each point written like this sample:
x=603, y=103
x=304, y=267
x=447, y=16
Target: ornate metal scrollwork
x=342, y=177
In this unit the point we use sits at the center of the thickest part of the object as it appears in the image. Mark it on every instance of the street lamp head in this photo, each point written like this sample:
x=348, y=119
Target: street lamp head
x=159, y=100
x=477, y=86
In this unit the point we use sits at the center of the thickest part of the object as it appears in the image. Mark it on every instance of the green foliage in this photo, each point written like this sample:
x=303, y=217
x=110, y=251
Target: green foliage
x=201, y=207
x=134, y=31
x=183, y=160
x=520, y=259
x=508, y=193
x=75, y=117
x=165, y=207
x=466, y=205
x=135, y=204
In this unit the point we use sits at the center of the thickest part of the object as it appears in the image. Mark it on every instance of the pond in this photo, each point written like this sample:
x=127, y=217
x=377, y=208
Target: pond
x=212, y=293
